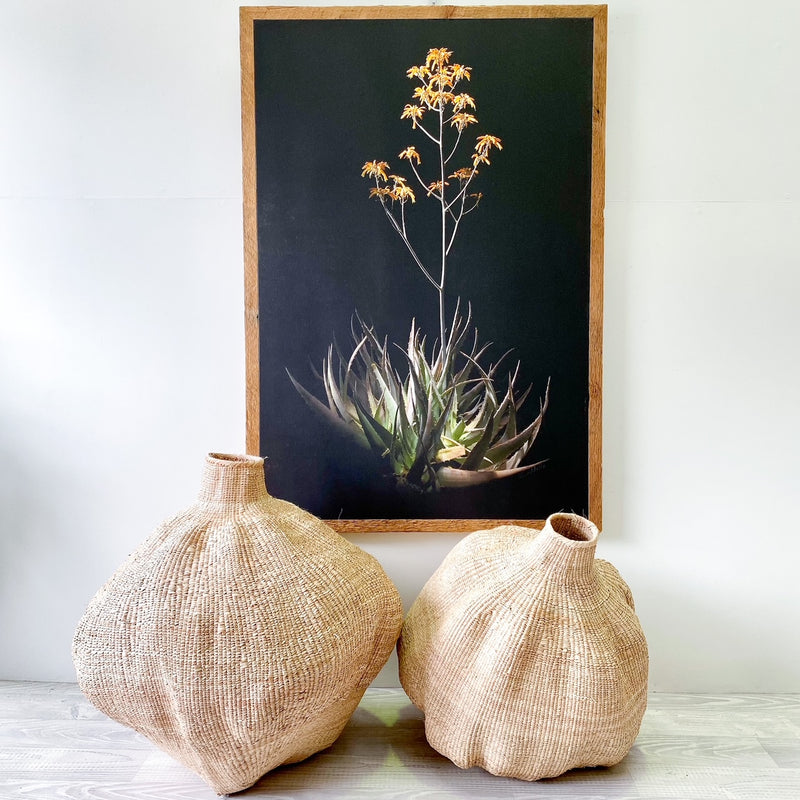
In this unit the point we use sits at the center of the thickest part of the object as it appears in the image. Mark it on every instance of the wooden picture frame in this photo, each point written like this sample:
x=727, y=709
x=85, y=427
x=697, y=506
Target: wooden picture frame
x=313, y=81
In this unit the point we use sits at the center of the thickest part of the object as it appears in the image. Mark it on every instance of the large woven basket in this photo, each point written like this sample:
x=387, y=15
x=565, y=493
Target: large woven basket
x=241, y=635
x=525, y=653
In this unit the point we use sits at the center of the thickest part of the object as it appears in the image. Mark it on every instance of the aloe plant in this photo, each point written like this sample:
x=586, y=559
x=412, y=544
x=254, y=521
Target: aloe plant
x=436, y=420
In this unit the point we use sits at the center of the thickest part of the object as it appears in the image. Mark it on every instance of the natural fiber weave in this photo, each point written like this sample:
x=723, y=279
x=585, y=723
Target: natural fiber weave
x=525, y=653
x=241, y=635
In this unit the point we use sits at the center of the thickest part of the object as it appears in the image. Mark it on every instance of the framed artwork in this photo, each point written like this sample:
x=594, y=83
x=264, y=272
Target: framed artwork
x=423, y=222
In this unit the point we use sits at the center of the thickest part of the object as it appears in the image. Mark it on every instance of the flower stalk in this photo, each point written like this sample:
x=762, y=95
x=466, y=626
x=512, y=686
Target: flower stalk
x=436, y=94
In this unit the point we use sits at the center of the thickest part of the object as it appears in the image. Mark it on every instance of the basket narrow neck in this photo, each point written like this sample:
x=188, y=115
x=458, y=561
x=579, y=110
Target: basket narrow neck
x=565, y=548
x=232, y=481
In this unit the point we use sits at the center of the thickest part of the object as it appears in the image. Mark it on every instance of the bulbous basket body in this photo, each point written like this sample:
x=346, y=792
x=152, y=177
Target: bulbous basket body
x=525, y=653
x=241, y=635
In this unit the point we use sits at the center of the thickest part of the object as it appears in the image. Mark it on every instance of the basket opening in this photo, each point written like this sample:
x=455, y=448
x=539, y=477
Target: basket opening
x=571, y=527
x=235, y=459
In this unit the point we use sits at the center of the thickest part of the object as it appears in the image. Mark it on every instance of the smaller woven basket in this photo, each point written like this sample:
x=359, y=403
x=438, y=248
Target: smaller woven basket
x=241, y=635
x=525, y=653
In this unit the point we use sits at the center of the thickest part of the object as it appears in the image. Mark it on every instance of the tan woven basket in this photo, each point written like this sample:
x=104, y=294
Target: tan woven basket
x=241, y=635
x=525, y=653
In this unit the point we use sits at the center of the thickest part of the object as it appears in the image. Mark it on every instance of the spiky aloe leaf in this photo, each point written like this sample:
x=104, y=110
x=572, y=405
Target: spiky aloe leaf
x=429, y=444
x=428, y=447
x=451, y=478
x=329, y=416
x=335, y=400
x=505, y=449
x=474, y=461
x=389, y=390
x=380, y=440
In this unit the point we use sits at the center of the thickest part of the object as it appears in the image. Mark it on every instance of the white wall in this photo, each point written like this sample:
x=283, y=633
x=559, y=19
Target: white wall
x=121, y=332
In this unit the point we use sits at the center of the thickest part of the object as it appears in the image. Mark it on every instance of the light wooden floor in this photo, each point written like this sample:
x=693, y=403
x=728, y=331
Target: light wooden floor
x=54, y=745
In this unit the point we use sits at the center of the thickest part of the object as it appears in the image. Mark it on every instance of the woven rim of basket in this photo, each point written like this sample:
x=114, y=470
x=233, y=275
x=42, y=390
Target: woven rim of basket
x=233, y=460
x=578, y=530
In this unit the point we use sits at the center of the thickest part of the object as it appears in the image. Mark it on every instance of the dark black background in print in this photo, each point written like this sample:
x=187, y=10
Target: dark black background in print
x=329, y=94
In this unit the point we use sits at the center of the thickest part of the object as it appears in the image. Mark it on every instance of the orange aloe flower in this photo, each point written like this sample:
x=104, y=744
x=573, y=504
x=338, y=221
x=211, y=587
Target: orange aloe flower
x=463, y=174
x=436, y=186
x=414, y=113
x=439, y=99
x=461, y=101
x=462, y=119
x=486, y=142
x=410, y=153
x=423, y=94
x=444, y=79
x=419, y=72
x=402, y=192
x=438, y=57
x=375, y=169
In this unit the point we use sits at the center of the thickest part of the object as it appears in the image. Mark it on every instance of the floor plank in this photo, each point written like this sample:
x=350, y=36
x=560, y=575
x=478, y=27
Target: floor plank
x=784, y=752
x=55, y=746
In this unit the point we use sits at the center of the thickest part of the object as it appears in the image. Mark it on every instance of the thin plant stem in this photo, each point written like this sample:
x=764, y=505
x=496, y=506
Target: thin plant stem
x=442, y=327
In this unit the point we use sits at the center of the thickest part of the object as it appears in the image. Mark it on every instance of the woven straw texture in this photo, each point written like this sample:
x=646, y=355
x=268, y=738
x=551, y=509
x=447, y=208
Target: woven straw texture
x=525, y=653
x=241, y=635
